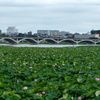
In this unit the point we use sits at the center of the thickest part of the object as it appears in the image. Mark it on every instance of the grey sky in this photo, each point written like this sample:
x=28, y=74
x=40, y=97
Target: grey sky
x=64, y=15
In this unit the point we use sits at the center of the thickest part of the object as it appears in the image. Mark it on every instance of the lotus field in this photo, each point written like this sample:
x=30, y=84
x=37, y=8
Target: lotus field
x=69, y=73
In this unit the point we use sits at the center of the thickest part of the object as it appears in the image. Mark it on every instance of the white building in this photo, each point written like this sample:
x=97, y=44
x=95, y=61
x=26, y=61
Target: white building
x=12, y=31
x=48, y=32
x=54, y=32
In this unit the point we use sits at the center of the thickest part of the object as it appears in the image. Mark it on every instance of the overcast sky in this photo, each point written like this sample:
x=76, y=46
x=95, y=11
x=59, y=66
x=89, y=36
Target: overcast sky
x=64, y=15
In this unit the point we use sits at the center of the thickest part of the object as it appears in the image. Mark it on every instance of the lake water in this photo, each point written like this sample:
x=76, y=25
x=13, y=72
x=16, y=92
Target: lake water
x=44, y=45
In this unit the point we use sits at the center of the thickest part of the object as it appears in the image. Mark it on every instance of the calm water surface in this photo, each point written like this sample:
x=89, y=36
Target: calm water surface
x=44, y=45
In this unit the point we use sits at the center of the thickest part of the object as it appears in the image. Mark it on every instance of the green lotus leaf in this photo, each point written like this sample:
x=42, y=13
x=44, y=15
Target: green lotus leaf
x=80, y=80
x=14, y=97
x=2, y=84
x=97, y=93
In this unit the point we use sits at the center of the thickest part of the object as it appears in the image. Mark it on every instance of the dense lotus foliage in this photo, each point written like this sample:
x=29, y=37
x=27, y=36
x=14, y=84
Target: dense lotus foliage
x=70, y=73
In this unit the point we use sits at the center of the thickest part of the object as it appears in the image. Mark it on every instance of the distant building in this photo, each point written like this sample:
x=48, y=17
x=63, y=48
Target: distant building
x=47, y=32
x=12, y=31
x=62, y=34
x=85, y=36
x=97, y=34
x=65, y=34
x=0, y=31
x=42, y=32
x=30, y=33
x=95, y=31
x=53, y=33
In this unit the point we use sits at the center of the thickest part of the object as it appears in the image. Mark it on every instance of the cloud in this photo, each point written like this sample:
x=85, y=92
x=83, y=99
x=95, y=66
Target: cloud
x=69, y=15
x=46, y=2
